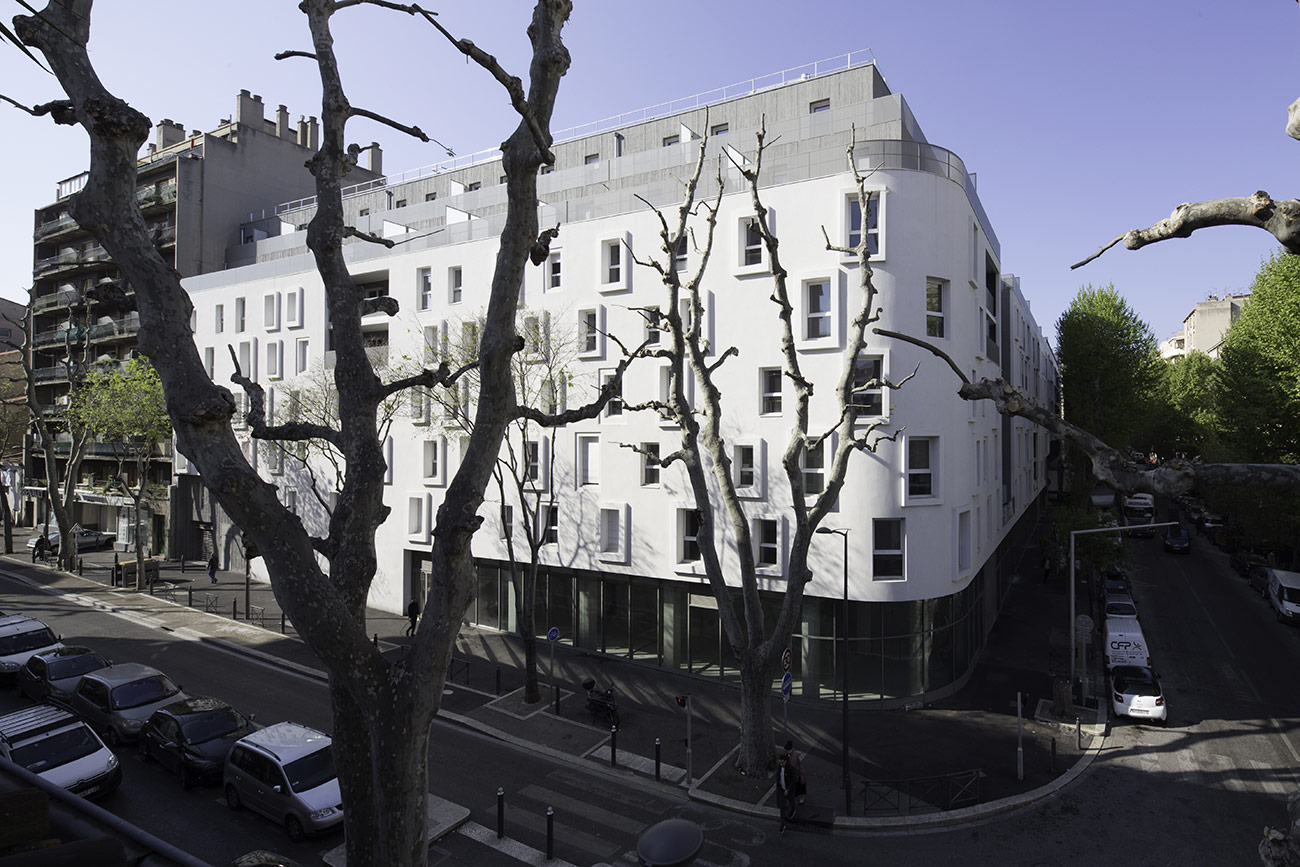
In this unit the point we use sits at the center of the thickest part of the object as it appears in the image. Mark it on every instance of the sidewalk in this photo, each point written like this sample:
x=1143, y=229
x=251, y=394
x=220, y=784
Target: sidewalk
x=906, y=766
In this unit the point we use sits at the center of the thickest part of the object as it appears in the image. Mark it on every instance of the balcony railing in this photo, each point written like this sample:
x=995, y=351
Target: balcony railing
x=53, y=373
x=59, y=336
x=71, y=259
x=61, y=298
x=55, y=227
x=116, y=328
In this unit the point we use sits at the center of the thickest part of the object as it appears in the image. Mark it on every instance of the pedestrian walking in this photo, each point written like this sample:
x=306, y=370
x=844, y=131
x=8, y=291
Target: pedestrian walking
x=787, y=797
x=413, y=615
x=212, y=568
x=1047, y=568
x=796, y=764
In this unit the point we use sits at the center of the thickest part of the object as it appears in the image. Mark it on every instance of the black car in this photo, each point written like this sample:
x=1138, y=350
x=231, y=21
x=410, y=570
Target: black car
x=1114, y=580
x=53, y=674
x=1243, y=561
x=1177, y=540
x=192, y=738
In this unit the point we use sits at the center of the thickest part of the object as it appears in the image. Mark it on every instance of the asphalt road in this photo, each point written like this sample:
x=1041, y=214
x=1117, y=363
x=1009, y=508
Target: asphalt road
x=1197, y=790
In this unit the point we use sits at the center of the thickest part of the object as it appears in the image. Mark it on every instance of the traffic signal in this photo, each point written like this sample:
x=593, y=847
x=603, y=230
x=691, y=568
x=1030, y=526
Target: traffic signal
x=681, y=701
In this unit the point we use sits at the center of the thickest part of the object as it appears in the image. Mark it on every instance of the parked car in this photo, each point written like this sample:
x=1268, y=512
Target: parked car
x=1115, y=581
x=54, y=674
x=1177, y=541
x=117, y=700
x=1135, y=691
x=192, y=737
x=1123, y=642
x=20, y=637
x=1119, y=605
x=286, y=773
x=1209, y=524
x=88, y=539
x=1258, y=578
x=1243, y=561
x=55, y=745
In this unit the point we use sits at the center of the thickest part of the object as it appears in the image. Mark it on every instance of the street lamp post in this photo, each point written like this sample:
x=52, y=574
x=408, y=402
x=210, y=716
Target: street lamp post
x=844, y=668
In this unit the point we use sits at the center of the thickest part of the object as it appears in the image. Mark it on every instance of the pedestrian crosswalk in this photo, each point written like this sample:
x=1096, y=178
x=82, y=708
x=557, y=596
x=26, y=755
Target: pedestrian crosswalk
x=1202, y=767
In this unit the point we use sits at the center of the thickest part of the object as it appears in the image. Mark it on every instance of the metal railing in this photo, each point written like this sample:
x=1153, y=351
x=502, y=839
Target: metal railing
x=922, y=794
x=72, y=258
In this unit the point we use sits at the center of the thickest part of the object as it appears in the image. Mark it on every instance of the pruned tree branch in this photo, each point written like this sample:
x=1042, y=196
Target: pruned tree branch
x=383, y=304
x=928, y=347
x=256, y=416
x=1280, y=219
x=354, y=232
x=284, y=55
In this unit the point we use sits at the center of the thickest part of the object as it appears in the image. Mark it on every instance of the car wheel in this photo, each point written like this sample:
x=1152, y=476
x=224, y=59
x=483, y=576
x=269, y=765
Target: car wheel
x=293, y=828
x=143, y=745
x=232, y=798
x=188, y=778
x=111, y=738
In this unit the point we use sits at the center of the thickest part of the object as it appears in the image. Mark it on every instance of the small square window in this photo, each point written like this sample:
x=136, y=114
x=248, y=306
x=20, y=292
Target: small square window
x=819, y=105
x=553, y=271
x=432, y=462
x=817, y=310
x=813, y=463
x=615, y=519
x=588, y=460
x=591, y=159
x=688, y=536
x=719, y=129
x=430, y=197
x=868, y=385
x=613, y=262
x=854, y=223
x=551, y=525
x=767, y=550
x=424, y=288
x=591, y=342
x=887, y=549
x=680, y=254
x=670, y=140
x=219, y=319
x=652, y=331
x=365, y=212
x=613, y=409
x=473, y=185
x=922, y=467
x=455, y=284
x=744, y=467
x=507, y=521
x=239, y=315
x=401, y=203
x=752, y=254
x=301, y=354
x=274, y=359
x=210, y=361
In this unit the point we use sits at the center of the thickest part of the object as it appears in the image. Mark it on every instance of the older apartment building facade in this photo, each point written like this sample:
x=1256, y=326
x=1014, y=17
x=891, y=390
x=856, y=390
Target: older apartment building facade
x=931, y=518
x=195, y=191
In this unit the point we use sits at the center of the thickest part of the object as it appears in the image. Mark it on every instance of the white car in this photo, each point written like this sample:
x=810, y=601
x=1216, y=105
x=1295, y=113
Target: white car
x=1120, y=605
x=20, y=638
x=87, y=540
x=1135, y=692
x=54, y=744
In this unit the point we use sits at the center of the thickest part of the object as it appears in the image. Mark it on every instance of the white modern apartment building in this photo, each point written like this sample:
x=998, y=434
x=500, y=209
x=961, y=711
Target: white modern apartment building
x=933, y=519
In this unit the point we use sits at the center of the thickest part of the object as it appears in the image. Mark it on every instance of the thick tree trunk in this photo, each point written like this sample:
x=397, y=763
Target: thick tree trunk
x=757, y=750
x=383, y=772
x=528, y=632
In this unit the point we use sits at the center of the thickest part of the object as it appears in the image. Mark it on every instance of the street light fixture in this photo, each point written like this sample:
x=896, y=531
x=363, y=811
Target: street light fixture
x=844, y=667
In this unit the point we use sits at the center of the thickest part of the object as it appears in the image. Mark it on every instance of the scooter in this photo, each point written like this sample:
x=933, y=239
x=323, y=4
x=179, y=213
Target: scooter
x=601, y=704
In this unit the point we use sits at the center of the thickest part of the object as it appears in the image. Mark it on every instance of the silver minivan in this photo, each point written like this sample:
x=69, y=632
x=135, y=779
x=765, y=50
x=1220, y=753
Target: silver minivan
x=20, y=638
x=286, y=773
x=1284, y=594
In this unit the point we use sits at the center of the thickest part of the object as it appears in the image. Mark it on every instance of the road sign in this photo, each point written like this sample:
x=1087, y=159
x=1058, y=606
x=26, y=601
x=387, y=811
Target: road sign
x=787, y=684
x=785, y=659
x=553, y=634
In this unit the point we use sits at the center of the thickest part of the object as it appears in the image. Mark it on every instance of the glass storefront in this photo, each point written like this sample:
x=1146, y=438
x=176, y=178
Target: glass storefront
x=896, y=650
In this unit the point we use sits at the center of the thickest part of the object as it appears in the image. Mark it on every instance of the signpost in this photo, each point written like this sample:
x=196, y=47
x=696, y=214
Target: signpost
x=787, y=685
x=552, y=636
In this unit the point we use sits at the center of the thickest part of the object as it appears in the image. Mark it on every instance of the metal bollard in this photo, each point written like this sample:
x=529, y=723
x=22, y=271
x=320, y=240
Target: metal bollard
x=81, y=566
x=1078, y=733
x=376, y=640
x=550, y=833
x=498, y=680
x=556, y=687
x=282, y=623
x=613, y=746
x=1053, y=756
x=189, y=597
x=501, y=812
x=657, y=749
x=182, y=565
x=234, y=609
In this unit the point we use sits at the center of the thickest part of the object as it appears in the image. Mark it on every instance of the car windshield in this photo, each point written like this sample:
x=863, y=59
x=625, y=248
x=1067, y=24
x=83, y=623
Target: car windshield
x=57, y=749
x=311, y=771
x=201, y=727
x=1178, y=534
x=1291, y=594
x=25, y=641
x=75, y=666
x=143, y=691
x=1121, y=608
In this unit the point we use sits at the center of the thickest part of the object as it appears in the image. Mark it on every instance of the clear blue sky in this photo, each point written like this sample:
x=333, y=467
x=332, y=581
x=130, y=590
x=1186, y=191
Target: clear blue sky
x=1080, y=120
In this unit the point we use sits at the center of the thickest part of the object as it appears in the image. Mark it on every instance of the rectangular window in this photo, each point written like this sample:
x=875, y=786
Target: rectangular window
x=424, y=288
x=302, y=356
x=613, y=409
x=813, y=463
x=719, y=129
x=420, y=404
x=819, y=105
x=293, y=308
x=551, y=531
x=649, y=464
x=936, y=292
x=271, y=312
x=401, y=203
x=210, y=361
x=854, y=223
x=588, y=332
x=591, y=159
x=752, y=252
x=770, y=385
x=670, y=140
x=414, y=516
x=652, y=331
x=364, y=212
x=745, y=470
x=507, y=521
x=533, y=461
x=473, y=186
x=887, y=549
x=588, y=460
x=613, y=255
x=868, y=390
x=432, y=460
x=688, y=534
x=455, y=284
x=219, y=319
x=817, y=312
x=553, y=271
x=963, y=542
x=239, y=315
x=431, y=197
x=274, y=355
x=922, y=453
x=680, y=254
x=766, y=543
x=612, y=548
x=291, y=500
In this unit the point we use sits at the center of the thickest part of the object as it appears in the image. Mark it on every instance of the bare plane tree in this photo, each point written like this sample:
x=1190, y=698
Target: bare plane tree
x=382, y=709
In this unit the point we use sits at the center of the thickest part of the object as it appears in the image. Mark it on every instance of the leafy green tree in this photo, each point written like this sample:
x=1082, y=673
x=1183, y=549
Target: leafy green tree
x=1110, y=370
x=124, y=408
x=1259, y=377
